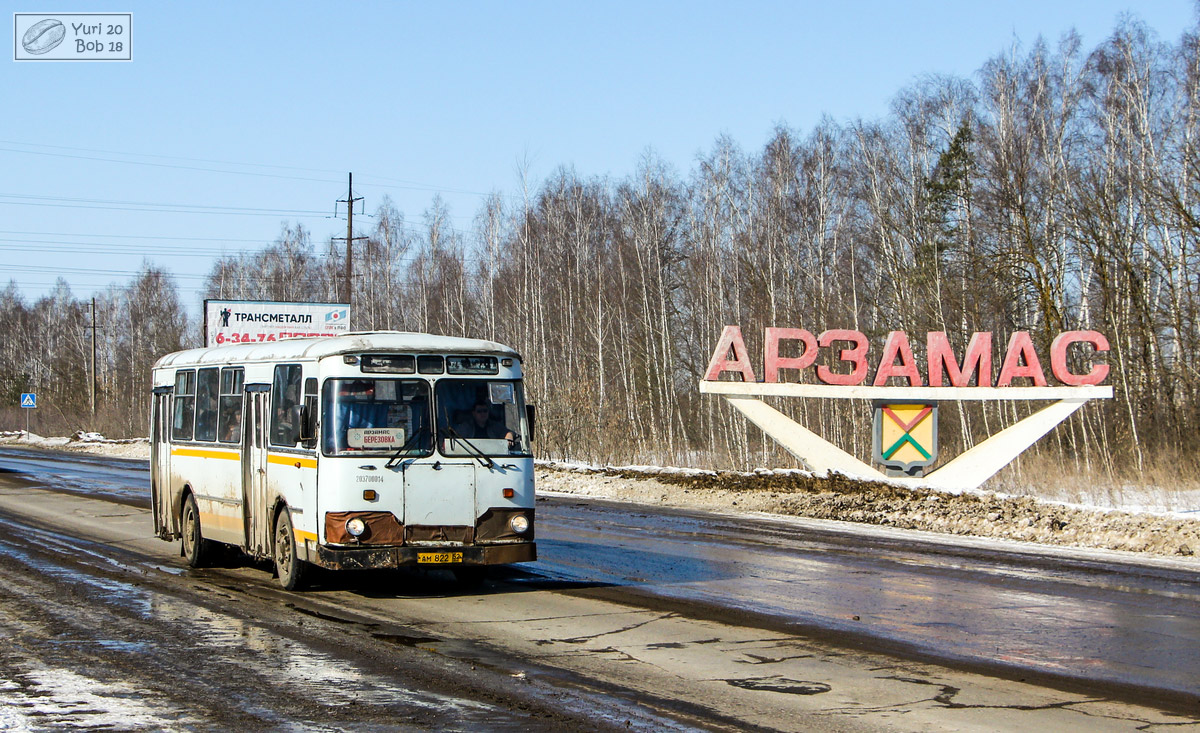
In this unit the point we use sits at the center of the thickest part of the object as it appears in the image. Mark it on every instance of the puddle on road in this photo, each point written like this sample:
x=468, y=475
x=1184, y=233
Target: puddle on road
x=117, y=591
x=59, y=698
x=288, y=664
x=80, y=476
x=42, y=695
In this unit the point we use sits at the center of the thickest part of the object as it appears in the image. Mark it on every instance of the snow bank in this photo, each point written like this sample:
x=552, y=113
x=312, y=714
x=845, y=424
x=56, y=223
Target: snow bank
x=82, y=442
x=798, y=493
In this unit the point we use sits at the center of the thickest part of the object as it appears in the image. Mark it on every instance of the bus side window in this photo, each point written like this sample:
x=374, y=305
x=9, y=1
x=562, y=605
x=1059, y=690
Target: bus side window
x=310, y=412
x=185, y=404
x=285, y=401
x=230, y=409
x=207, y=384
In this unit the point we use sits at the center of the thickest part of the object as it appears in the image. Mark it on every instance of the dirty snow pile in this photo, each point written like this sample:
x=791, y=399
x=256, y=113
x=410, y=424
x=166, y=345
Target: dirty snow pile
x=799, y=493
x=82, y=442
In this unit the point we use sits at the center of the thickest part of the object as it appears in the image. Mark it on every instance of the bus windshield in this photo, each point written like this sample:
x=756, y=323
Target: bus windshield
x=481, y=416
x=378, y=416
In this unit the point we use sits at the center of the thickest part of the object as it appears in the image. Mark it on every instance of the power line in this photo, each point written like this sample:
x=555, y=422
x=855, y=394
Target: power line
x=156, y=211
x=456, y=230
x=88, y=271
x=199, y=208
x=126, y=236
x=216, y=245
x=167, y=157
x=190, y=208
x=87, y=248
x=398, y=183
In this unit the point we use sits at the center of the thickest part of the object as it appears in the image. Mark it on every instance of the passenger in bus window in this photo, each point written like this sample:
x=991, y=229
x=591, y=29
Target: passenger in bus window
x=480, y=423
x=284, y=427
x=233, y=427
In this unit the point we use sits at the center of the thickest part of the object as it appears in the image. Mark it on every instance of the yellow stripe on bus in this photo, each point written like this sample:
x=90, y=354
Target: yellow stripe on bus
x=302, y=535
x=204, y=453
x=278, y=459
x=227, y=523
x=284, y=460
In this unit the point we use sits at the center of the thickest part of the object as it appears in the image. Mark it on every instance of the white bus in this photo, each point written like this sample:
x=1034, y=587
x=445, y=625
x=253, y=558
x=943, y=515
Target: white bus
x=367, y=450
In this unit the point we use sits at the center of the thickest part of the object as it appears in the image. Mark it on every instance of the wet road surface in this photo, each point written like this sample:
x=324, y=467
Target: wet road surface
x=86, y=648
x=1117, y=628
x=1095, y=619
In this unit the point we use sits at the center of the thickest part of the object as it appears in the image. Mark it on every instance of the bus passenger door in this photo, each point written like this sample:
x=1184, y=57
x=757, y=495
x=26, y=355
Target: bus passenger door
x=254, y=474
x=165, y=525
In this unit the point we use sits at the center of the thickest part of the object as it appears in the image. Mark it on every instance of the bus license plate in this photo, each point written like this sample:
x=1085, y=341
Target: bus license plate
x=439, y=557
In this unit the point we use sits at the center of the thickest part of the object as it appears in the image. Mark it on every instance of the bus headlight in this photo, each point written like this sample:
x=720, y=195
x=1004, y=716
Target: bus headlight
x=519, y=524
x=356, y=527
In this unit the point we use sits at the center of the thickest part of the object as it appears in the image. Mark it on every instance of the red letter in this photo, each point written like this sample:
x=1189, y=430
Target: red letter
x=1020, y=345
x=856, y=356
x=897, y=345
x=773, y=362
x=1058, y=358
x=978, y=360
x=730, y=337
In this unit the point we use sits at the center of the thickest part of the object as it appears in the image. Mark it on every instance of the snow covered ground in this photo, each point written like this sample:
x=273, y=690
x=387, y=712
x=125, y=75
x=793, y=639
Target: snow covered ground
x=82, y=442
x=1135, y=520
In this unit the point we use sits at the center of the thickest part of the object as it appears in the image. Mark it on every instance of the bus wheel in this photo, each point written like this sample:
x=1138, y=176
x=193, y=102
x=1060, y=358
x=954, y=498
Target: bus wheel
x=288, y=567
x=198, y=551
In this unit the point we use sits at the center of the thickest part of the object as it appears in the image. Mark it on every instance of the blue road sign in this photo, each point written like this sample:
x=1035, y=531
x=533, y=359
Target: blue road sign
x=28, y=399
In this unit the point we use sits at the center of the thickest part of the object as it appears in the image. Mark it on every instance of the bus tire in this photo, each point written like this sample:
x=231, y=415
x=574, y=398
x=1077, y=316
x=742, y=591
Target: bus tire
x=289, y=567
x=198, y=551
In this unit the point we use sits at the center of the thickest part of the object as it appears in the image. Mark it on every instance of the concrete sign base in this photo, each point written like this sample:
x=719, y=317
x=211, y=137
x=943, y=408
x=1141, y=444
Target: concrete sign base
x=967, y=471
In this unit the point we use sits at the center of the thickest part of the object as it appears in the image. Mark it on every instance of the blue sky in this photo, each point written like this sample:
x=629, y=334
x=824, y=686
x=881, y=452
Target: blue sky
x=264, y=107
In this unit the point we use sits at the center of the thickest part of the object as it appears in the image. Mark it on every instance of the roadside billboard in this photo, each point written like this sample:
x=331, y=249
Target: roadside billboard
x=254, y=321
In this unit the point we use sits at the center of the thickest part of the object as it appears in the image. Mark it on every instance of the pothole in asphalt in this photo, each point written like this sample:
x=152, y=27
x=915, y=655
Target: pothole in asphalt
x=781, y=684
x=403, y=640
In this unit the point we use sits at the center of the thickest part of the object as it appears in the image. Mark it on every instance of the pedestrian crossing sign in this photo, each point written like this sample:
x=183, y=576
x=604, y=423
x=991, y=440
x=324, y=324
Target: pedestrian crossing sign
x=28, y=399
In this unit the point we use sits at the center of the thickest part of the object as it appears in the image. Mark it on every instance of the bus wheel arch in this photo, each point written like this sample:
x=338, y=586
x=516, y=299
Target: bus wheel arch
x=181, y=502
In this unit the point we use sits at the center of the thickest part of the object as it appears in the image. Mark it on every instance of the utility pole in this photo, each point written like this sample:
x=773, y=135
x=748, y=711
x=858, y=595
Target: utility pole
x=95, y=376
x=350, y=238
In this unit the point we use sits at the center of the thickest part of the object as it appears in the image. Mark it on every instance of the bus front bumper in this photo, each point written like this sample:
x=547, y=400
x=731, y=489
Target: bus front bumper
x=367, y=558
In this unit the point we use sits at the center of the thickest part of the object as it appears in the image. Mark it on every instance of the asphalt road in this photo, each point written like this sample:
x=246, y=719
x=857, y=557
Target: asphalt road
x=633, y=617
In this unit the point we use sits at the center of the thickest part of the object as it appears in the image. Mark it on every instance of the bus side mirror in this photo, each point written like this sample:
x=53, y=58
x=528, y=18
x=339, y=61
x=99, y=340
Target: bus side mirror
x=308, y=419
x=529, y=413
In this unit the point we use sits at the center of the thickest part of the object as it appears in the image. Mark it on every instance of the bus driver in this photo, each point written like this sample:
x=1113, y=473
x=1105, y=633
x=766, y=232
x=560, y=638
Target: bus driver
x=480, y=424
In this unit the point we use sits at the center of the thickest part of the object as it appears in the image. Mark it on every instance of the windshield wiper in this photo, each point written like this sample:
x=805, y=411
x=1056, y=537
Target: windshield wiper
x=473, y=449
x=403, y=448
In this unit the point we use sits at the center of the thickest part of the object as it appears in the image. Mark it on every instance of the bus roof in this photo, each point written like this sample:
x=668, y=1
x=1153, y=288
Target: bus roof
x=322, y=346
